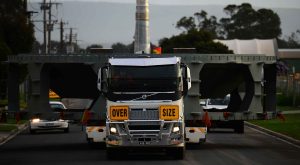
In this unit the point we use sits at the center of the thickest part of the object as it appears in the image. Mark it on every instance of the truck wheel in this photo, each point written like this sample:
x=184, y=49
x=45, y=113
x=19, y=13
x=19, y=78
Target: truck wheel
x=113, y=153
x=32, y=131
x=90, y=141
x=239, y=126
x=177, y=153
x=66, y=130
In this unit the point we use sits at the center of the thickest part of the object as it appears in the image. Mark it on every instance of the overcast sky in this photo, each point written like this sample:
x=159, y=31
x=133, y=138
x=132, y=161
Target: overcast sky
x=258, y=3
x=96, y=23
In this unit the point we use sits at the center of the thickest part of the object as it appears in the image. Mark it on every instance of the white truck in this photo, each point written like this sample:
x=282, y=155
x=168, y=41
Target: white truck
x=145, y=107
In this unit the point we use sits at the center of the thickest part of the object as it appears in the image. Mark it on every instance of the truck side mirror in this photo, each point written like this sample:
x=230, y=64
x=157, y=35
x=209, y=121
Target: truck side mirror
x=187, y=80
x=102, y=80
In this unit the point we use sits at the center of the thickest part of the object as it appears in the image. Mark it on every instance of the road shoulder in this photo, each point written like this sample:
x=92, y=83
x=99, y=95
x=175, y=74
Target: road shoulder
x=276, y=134
x=7, y=136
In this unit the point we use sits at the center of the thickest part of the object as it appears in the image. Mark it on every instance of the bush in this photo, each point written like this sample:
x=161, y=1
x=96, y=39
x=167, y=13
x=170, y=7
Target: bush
x=286, y=100
x=3, y=103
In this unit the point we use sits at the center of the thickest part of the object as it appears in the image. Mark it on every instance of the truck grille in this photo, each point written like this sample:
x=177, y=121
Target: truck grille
x=144, y=127
x=144, y=114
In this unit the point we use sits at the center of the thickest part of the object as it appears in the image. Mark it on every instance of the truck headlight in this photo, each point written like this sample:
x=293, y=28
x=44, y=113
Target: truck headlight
x=113, y=130
x=36, y=120
x=176, y=129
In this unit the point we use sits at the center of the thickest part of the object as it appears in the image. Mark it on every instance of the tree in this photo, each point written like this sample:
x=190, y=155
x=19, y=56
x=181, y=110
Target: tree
x=94, y=46
x=292, y=41
x=15, y=30
x=16, y=36
x=208, y=24
x=88, y=49
x=244, y=22
x=201, y=40
x=187, y=23
x=200, y=21
x=4, y=52
x=122, y=48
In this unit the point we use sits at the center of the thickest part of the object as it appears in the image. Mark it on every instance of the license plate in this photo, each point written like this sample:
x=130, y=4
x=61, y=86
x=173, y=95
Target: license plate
x=119, y=112
x=169, y=112
x=49, y=124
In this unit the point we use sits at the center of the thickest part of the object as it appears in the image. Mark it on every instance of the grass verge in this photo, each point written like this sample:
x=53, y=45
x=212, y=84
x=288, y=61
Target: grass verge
x=289, y=127
x=7, y=127
x=287, y=108
x=10, y=125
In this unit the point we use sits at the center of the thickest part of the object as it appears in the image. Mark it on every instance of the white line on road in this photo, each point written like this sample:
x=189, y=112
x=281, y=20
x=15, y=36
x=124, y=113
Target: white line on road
x=274, y=137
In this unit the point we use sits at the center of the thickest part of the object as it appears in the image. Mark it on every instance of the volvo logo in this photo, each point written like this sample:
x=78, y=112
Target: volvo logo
x=144, y=97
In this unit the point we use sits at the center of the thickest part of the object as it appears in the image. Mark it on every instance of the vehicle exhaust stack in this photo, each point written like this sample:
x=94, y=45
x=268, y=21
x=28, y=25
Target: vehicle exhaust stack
x=142, y=36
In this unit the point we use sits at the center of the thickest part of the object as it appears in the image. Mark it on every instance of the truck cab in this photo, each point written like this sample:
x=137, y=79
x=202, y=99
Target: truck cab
x=144, y=102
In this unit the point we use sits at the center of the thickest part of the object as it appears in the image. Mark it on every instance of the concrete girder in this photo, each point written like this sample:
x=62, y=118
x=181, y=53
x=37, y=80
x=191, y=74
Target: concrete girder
x=40, y=78
x=13, y=88
x=258, y=78
x=39, y=90
x=191, y=101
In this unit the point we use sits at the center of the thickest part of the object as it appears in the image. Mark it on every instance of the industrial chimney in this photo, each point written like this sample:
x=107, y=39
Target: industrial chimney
x=142, y=36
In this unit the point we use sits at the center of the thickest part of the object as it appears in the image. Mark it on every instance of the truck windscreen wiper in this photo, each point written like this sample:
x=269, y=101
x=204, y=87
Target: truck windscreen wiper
x=145, y=95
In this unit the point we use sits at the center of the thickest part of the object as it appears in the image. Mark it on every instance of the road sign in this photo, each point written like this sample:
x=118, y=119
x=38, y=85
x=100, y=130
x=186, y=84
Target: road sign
x=53, y=95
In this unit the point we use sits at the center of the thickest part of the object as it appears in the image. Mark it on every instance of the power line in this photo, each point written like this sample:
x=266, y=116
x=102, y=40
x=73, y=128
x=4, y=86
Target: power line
x=48, y=24
x=38, y=29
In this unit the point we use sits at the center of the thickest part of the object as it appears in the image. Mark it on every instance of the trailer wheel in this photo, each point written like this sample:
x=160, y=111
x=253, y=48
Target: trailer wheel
x=66, y=130
x=32, y=131
x=110, y=153
x=239, y=126
x=113, y=153
x=176, y=152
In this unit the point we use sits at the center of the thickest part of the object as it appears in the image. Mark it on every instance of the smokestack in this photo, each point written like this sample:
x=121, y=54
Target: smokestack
x=142, y=36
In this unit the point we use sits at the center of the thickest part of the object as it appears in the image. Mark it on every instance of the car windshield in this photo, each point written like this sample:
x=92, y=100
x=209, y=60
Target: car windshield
x=218, y=102
x=56, y=106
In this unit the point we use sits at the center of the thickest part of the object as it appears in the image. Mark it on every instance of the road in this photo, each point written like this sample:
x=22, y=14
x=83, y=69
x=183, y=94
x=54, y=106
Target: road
x=221, y=148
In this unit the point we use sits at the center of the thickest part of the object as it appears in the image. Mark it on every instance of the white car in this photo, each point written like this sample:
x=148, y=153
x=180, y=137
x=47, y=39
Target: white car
x=37, y=124
x=218, y=104
x=57, y=105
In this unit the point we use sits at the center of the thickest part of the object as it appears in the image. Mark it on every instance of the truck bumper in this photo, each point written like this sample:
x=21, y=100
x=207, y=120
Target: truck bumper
x=96, y=134
x=156, y=133
x=195, y=134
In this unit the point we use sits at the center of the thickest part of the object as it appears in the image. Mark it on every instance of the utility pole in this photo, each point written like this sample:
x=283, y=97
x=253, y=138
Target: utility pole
x=61, y=47
x=71, y=37
x=50, y=28
x=28, y=13
x=71, y=34
x=44, y=7
x=48, y=25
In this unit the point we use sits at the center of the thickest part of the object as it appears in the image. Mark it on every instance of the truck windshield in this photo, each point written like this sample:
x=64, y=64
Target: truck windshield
x=139, y=80
x=144, y=79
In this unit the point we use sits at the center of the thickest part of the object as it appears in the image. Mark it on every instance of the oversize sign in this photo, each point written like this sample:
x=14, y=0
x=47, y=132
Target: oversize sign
x=119, y=112
x=169, y=112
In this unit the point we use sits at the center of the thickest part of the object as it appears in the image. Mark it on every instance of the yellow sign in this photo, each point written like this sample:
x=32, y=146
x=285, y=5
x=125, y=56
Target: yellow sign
x=53, y=95
x=169, y=112
x=119, y=112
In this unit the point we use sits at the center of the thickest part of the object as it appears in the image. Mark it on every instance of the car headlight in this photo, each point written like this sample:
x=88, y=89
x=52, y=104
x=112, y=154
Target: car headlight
x=113, y=130
x=36, y=120
x=175, y=129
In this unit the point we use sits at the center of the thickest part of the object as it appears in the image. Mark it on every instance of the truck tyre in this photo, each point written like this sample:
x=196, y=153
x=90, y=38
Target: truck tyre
x=66, y=130
x=113, y=153
x=239, y=127
x=176, y=152
x=32, y=131
x=90, y=141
